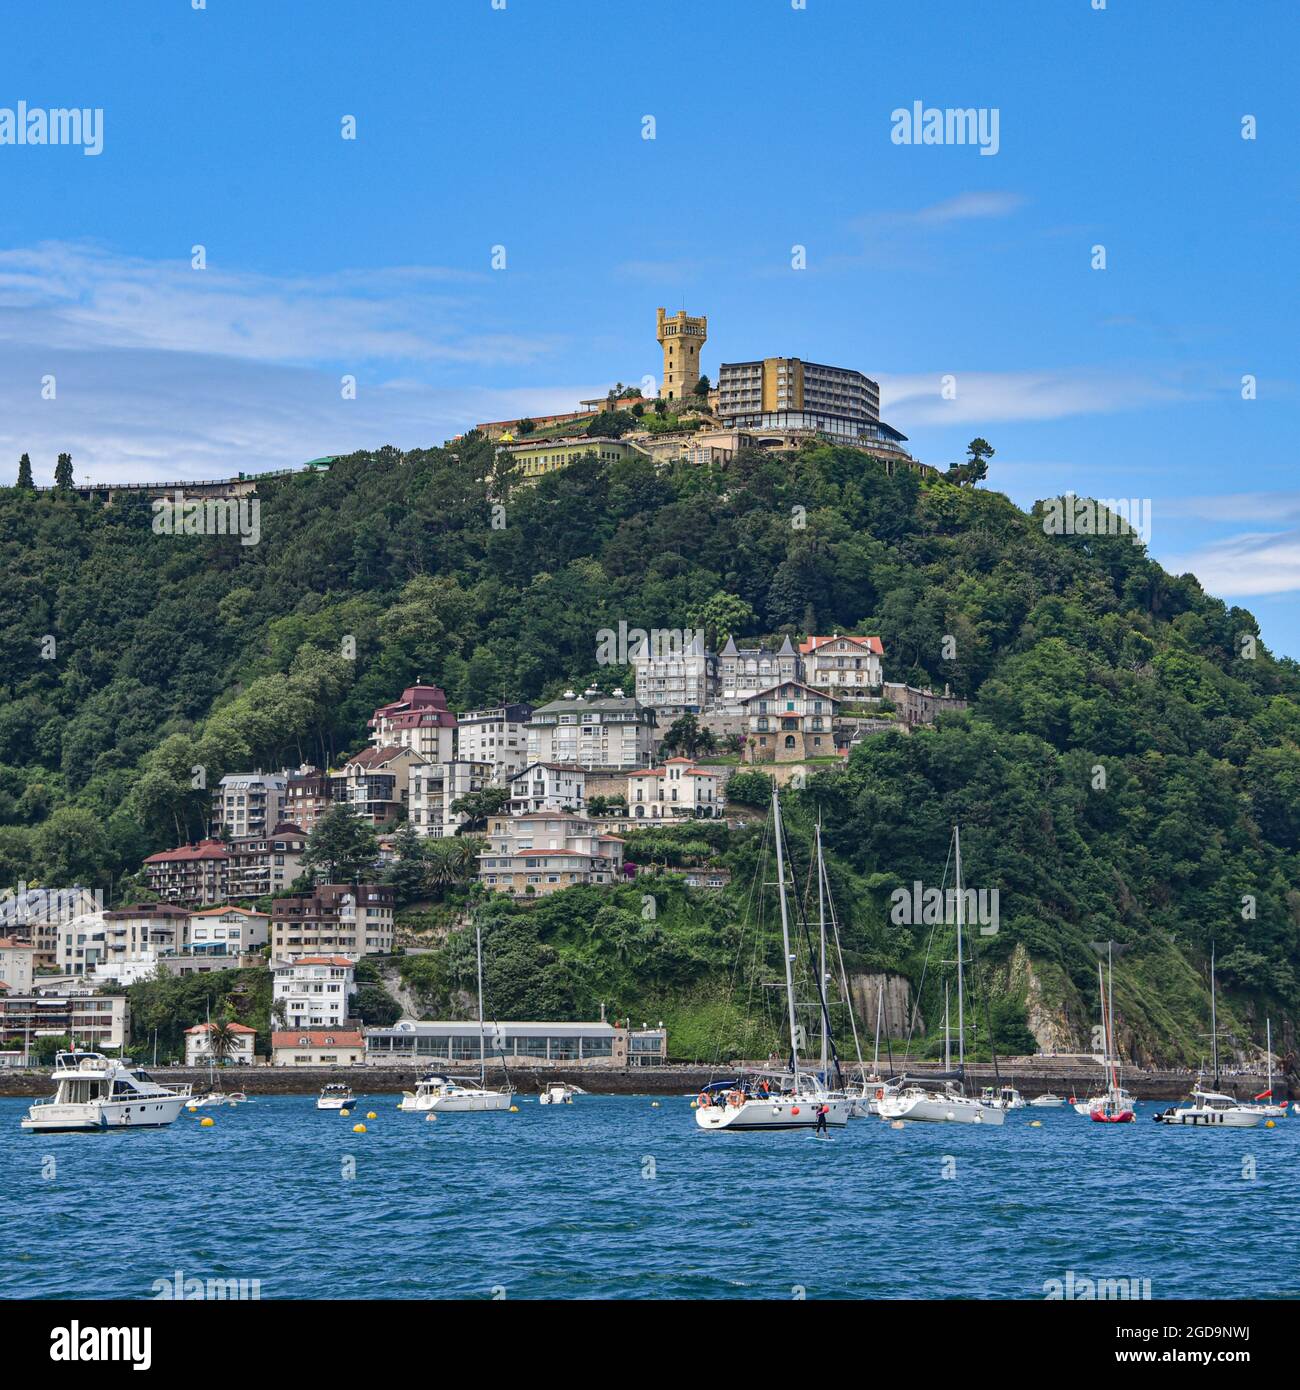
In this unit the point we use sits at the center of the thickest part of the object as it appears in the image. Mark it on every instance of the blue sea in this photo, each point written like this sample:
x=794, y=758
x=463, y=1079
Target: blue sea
x=615, y=1197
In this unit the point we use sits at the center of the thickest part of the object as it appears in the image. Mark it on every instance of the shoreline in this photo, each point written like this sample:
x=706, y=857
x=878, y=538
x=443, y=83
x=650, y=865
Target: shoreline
x=1063, y=1079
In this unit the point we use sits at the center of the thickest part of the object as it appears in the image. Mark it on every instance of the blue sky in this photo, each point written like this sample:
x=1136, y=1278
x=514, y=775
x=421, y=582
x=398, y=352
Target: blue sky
x=522, y=127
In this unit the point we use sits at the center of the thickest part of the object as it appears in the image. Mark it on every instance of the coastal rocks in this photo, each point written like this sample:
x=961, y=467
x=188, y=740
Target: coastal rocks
x=867, y=990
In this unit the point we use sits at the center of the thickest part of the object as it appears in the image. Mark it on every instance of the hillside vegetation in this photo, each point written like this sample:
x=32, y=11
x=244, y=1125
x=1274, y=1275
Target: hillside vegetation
x=1129, y=769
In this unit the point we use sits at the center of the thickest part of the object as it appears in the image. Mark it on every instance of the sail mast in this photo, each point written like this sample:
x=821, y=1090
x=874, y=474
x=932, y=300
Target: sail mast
x=482, y=1059
x=947, y=1037
x=779, y=835
x=821, y=959
x=1214, y=1021
x=961, y=1005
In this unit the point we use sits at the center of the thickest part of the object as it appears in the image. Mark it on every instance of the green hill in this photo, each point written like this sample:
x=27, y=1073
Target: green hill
x=1129, y=769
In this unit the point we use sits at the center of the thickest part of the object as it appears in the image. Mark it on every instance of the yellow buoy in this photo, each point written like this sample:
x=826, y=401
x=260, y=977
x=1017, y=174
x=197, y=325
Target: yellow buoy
x=206, y=1122
x=345, y=1113
x=1035, y=1124
x=370, y=1115
x=514, y=1109
x=1268, y=1124
x=358, y=1129
x=654, y=1105
x=896, y=1124
x=695, y=1105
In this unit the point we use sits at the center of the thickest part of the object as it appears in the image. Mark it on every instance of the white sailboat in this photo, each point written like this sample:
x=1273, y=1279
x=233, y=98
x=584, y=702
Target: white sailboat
x=92, y=1092
x=446, y=1095
x=950, y=1105
x=793, y=1100
x=1269, y=1110
x=214, y=1096
x=1211, y=1109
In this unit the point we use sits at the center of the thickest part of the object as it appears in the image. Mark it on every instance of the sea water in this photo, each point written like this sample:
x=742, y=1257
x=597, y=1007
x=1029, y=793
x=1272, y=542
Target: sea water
x=616, y=1197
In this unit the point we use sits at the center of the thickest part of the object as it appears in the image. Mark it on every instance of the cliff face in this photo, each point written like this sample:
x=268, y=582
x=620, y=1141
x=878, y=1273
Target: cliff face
x=891, y=995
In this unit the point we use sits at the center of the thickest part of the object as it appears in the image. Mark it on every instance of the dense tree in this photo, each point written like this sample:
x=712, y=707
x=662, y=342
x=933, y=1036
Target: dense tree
x=25, y=473
x=63, y=472
x=342, y=846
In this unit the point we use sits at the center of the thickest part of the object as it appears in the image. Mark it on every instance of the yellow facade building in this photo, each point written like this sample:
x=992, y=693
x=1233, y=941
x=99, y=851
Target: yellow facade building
x=538, y=457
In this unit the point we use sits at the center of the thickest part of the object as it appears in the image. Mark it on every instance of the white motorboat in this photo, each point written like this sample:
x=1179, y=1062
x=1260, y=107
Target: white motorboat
x=797, y=1099
x=336, y=1095
x=1212, y=1109
x=1047, y=1101
x=214, y=1098
x=92, y=1092
x=1002, y=1098
x=558, y=1093
x=948, y=1105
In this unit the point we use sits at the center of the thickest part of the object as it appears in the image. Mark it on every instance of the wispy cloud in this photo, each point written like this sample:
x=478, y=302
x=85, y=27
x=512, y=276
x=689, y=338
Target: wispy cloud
x=1028, y=395
x=1249, y=564
x=963, y=207
x=75, y=295
x=1236, y=507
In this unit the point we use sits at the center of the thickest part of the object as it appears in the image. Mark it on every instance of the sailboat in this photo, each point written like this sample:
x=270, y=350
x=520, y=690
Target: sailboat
x=1269, y=1110
x=1211, y=1109
x=442, y=1093
x=785, y=1100
x=951, y=1105
x=1116, y=1106
x=214, y=1095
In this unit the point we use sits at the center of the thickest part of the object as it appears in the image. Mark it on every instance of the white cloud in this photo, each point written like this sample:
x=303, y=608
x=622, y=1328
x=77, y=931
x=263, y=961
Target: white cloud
x=1274, y=507
x=1029, y=395
x=1248, y=564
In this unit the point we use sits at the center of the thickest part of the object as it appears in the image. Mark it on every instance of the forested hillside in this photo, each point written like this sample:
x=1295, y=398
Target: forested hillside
x=1130, y=767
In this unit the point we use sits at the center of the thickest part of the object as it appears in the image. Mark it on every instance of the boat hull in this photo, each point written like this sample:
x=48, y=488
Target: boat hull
x=1209, y=1119
x=471, y=1104
x=941, y=1110
x=335, y=1104
x=98, y=1116
x=772, y=1114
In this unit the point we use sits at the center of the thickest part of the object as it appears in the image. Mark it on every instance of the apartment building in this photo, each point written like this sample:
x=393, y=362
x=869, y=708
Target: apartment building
x=95, y=1022
x=313, y=991
x=17, y=964
x=343, y=919
x=123, y=946
x=193, y=875
x=259, y=865
x=848, y=667
x=744, y=671
x=536, y=854
x=593, y=731
x=420, y=721
x=548, y=787
x=306, y=797
x=498, y=736
x=435, y=787
x=226, y=931
x=248, y=803
x=673, y=683
x=674, y=791
x=789, y=723
x=35, y=915
x=375, y=784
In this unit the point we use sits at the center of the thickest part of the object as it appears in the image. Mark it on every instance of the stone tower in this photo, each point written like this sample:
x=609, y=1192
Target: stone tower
x=681, y=338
